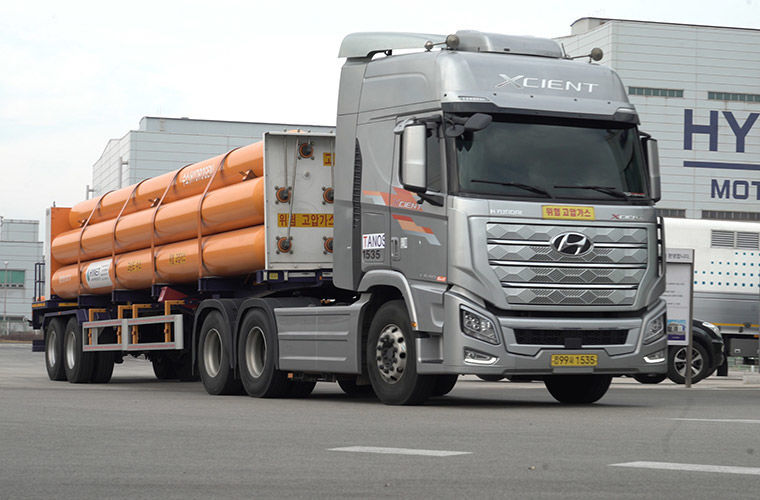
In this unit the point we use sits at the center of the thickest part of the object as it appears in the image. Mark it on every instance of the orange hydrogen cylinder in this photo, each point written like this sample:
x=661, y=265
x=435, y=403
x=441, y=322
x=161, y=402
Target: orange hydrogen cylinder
x=225, y=209
x=231, y=253
x=191, y=180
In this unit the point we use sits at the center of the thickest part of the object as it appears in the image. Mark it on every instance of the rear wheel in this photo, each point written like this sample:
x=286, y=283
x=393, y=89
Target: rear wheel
x=391, y=358
x=577, y=389
x=444, y=384
x=214, y=361
x=257, y=358
x=700, y=362
x=77, y=363
x=54, y=334
x=651, y=378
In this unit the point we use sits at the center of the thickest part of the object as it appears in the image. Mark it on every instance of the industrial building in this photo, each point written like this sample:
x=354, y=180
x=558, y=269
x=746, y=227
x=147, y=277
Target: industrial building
x=697, y=90
x=20, y=250
x=161, y=145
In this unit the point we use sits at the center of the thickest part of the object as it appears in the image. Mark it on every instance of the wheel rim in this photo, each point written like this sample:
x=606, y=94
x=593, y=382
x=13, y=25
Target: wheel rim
x=255, y=352
x=71, y=349
x=391, y=354
x=212, y=352
x=50, y=348
x=679, y=361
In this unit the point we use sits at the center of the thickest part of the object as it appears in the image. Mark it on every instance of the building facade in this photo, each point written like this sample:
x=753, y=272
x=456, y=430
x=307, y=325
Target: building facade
x=161, y=145
x=697, y=91
x=20, y=250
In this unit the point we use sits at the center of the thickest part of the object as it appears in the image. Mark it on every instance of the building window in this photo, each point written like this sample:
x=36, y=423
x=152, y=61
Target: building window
x=732, y=96
x=671, y=212
x=11, y=278
x=726, y=215
x=734, y=239
x=649, y=91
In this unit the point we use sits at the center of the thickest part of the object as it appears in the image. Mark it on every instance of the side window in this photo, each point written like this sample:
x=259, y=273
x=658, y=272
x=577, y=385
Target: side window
x=433, y=159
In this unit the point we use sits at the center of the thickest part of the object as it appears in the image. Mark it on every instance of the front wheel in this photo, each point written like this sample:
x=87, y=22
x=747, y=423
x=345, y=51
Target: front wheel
x=577, y=389
x=650, y=378
x=391, y=358
x=677, y=363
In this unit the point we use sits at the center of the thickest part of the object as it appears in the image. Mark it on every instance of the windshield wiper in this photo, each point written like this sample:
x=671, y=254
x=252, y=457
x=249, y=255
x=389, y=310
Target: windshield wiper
x=602, y=189
x=526, y=187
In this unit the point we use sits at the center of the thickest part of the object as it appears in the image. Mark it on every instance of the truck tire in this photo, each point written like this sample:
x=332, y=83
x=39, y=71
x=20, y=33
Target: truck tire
x=491, y=378
x=391, y=358
x=213, y=360
x=77, y=363
x=257, y=358
x=300, y=388
x=163, y=368
x=700, y=363
x=183, y=368
x=352, y=390
x=102, y=367
x=651, y=378
x=577, y=389
x=444, y=384
x=54, y=333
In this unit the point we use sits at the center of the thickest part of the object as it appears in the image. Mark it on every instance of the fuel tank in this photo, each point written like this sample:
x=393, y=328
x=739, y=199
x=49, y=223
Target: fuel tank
x=242, y=163
x=231, y=253
x=227, y=208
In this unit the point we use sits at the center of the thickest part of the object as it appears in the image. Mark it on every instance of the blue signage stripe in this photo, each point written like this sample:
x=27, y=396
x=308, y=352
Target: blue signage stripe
x=715, y=164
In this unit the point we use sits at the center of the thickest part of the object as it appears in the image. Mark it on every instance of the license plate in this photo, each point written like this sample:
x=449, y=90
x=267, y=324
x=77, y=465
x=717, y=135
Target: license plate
x=567, y=212
x=574, y=360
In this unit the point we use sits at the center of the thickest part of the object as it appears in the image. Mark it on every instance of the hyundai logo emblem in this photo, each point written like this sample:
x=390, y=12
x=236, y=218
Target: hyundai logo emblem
x=572, y=244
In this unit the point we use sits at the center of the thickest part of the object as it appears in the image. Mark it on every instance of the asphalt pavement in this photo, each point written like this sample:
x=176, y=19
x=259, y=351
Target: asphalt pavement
x=137, y=437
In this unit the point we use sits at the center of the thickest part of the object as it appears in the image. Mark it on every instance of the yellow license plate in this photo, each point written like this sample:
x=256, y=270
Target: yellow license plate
x=574, y=360
x=567, y=212
x=305, y=220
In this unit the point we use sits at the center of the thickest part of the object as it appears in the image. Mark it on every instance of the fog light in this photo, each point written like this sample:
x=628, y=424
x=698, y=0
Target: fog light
x=476, y=326
x=478, y=358
x=655, y=330
x=655, y=357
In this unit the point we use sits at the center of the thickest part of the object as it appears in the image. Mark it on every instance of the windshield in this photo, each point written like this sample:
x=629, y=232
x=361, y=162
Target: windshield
x=528, y=157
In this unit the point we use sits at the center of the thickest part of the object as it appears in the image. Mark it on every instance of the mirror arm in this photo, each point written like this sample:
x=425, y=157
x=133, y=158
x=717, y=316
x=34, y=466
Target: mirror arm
x=433, y=199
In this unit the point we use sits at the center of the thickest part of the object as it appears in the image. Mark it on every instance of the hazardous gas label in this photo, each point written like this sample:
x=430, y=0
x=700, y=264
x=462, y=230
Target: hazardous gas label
x=567, y=212
x=327, y=159
x=305, y=220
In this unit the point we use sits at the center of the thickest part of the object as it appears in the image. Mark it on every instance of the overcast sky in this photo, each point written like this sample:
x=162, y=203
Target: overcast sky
x=75, y=74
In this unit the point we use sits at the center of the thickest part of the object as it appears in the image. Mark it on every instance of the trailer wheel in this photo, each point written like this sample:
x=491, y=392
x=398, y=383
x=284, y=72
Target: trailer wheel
x=102, y=369
x=700, y=361
x=577, y=389
x=651, y=378
x=163, y=367
x=213, y=362
x=77, y=363
x=54, y=334
x=444, y=384
x=353, y=390
x=257, y=358
x=391, y=358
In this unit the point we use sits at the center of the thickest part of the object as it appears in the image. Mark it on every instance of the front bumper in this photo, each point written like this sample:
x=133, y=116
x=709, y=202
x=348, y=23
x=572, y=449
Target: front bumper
x=511, y=357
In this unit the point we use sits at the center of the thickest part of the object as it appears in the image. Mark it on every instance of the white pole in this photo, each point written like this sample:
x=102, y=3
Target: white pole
x=5, y=299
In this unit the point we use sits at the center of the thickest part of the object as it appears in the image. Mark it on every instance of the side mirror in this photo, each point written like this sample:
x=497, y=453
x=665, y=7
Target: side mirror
x=653, y=162
x=413, y=161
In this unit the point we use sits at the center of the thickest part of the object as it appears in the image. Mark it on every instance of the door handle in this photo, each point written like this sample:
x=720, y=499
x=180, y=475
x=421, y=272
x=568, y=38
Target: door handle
x=395, y=253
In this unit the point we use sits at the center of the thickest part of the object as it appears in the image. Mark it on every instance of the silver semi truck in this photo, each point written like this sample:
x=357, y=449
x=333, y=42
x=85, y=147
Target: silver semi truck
x=493, y=215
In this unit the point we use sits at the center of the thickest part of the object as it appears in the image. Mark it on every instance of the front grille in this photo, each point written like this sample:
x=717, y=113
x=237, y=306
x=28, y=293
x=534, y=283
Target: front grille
x=559, y=337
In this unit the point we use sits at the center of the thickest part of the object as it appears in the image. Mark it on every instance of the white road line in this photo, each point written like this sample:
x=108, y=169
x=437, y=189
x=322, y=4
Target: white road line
x=400, y=451
x=725, y=469
x=721, y=420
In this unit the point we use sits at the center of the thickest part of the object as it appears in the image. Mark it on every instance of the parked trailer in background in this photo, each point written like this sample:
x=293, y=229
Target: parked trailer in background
x=726, y=278
x=485, y=207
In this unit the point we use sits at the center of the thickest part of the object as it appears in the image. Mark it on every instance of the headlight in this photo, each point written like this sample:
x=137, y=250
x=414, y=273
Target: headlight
x=655, y=330
x=713, y=329
x=476, y=326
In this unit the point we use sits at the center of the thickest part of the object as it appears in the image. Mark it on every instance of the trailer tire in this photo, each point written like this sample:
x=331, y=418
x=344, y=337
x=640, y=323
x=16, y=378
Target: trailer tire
x=163, y=368
x=300, y=388
x=651, y=378
x=700, y=362
x=213, y=362
x=391, y=358
x=444, y=384
x=102, y=369
x=577, y=389
x=257, y=357
x=353, y=390
x=54, y=333
x=78, y=364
